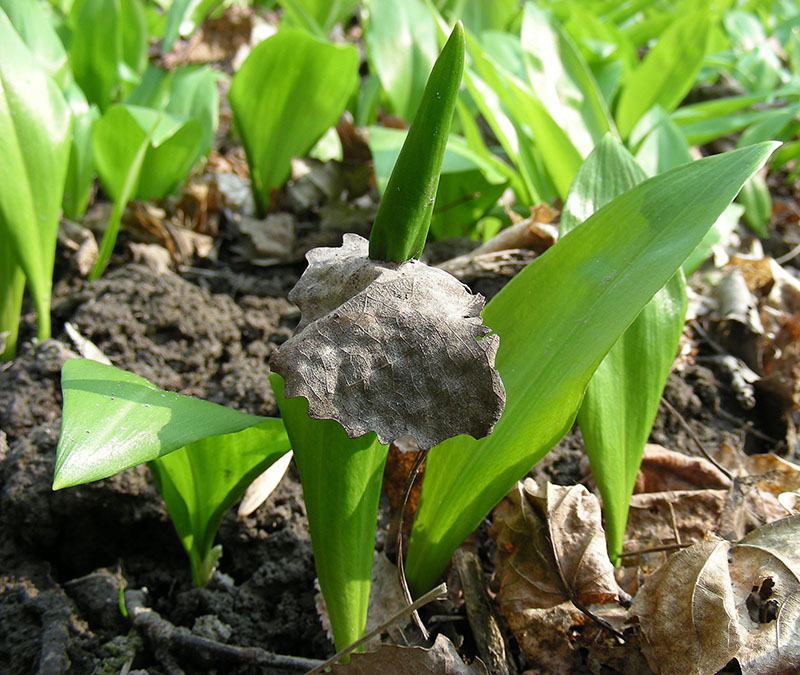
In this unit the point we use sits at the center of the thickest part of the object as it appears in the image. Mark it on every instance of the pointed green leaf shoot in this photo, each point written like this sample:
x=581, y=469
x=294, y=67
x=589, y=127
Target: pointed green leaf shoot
x=34, y=145
x=105, y=407
x=202, y=456
x=404, y=215
x=288, y=92
x=622, y=397
x=341, y=480
x=597, y=279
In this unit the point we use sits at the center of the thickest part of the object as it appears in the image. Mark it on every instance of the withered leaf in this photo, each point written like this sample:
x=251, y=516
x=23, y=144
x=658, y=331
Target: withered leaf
x=687, y=613
x=441, y=659
x=551, y=548
x=394, y=349
x=717, y=601
x=768, y=560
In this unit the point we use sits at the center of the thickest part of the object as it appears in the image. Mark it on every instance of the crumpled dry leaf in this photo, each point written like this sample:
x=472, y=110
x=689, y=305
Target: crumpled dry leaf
x=663, y=469
x=765, y=571
x=395, y=349
x=687, y=613
x=551, y=547
x=714, y=601
x=551, y=555
x=441, y=659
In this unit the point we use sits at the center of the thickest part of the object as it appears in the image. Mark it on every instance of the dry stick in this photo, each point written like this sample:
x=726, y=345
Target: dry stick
x=694, y=437
x=438, y=593
x=401, y=572
x=165, y=635
x=655, y=549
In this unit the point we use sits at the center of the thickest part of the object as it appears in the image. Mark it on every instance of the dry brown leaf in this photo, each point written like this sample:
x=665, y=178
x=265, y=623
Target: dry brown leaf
x=664, y=469
x=441, y=659
x=714, y=602
x=765, y=571
x=394, y=349
x=687, y=614
x=551, y=548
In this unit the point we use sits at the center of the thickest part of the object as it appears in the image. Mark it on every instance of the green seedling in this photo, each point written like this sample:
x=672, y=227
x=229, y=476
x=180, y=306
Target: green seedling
x=35, y=126
x=341, y=470
x=288, y=92
x=80, y=173
x=202, y=456
x=621, y=400
x=597, y=280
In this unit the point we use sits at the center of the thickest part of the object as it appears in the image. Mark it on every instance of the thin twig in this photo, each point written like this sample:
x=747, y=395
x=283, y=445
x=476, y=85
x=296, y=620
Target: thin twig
x=694, y=437
x=655, y=549
x=786, y=257
x=438, y=593
x=401, y=572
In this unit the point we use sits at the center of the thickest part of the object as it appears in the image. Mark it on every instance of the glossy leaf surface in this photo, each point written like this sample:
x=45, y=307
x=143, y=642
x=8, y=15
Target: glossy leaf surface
x=34, y=146
x=557, y=320
x=288, y=92
x=113, y=420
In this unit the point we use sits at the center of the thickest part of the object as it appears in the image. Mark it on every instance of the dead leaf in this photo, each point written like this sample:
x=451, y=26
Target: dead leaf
x=687, y=614
x=765, y=573
x=441, y=659
x=713, y=602
x=269, y=241
x=394, y=349
x=263, y=486
x=664, y=469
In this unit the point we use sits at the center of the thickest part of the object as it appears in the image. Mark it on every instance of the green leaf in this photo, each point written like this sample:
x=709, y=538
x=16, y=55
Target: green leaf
x=324, y=13
x=34, y=146
x=404, y=215
x=202, y=480
x=171, y=150
x=291, y=88
x=468, y=186
x=668, y=71
x=107, y=47
x=621, y=400
x=34, y=27
x=561, y=80
x=757, y=202
x=341, y=480
x=664, y=147
x=401, y=47
x=80, y=173
x=556, y=320
x=113, y=420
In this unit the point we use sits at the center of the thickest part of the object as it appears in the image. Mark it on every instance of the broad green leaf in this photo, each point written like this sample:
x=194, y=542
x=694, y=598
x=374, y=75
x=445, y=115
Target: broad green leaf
x=291, y=88
x=34, y=146
x=557, y=320
x=12, y=289
x=80, y=173
x=341, y=480
x=202, y=480
x=621, y=400
x=480, y=15
x=108, y=47
x=37, y=32
x=184, y=17
x=113, y=420
x=404, y=215
x=668, y=71
x=561, y=80
x=469, y=185
x=401, y=47
x=171, y=150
